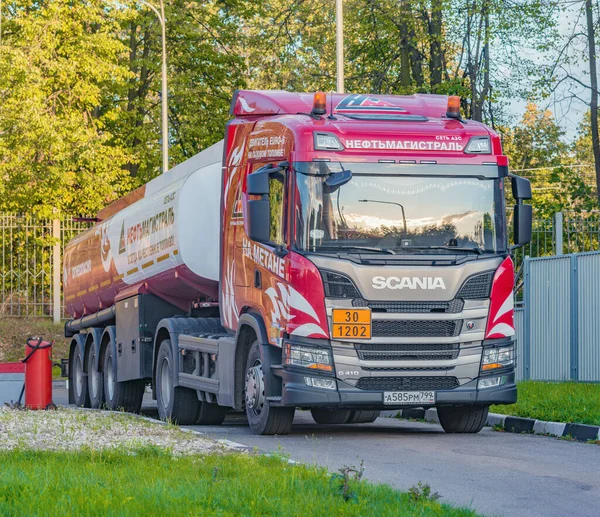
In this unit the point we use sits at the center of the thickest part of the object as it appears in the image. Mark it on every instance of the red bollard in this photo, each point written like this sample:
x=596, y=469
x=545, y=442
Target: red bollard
x=38, y=374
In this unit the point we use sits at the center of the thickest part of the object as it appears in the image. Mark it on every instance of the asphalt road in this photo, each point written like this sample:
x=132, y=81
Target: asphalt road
x=494, y=473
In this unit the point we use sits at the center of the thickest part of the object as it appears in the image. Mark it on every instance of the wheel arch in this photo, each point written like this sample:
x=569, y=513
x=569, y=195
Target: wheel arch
x=251, y=327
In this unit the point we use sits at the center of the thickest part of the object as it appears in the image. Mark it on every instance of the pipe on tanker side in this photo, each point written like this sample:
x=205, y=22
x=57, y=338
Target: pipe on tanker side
x=100, y=318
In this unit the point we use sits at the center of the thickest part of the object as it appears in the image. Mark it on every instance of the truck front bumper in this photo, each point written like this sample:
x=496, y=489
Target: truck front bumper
x=297, y=394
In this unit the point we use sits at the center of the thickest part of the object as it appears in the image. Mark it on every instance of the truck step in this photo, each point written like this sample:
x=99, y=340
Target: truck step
x=199, y=383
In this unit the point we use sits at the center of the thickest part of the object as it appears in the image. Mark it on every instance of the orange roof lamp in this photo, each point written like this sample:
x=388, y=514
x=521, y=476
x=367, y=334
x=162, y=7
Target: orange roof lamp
x=319, y=104
x=453, y=110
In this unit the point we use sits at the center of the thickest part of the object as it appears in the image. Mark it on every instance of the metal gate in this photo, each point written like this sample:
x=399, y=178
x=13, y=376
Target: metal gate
x=558, y=328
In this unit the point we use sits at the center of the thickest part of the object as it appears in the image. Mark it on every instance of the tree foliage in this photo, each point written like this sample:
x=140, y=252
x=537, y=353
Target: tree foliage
x=80, y=86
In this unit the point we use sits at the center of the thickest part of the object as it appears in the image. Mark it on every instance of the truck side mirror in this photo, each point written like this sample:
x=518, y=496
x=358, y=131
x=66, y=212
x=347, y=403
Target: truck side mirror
x=257, y=183
x=521, y=187
x=523, y=221
x=258, y=218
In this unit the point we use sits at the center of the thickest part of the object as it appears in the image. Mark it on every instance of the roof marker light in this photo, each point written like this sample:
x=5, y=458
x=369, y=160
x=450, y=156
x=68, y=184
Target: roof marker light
x=453, y=110
x=319, y=104
x=479, y=145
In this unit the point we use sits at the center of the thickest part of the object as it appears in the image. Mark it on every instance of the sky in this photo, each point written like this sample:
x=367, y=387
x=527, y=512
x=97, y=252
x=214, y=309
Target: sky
x=567, y=110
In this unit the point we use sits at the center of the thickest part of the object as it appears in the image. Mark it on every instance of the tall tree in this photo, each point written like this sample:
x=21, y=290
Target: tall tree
x=60, y=67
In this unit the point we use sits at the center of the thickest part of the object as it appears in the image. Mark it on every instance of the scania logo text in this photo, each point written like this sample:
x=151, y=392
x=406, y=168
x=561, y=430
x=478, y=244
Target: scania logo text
x=406, y=282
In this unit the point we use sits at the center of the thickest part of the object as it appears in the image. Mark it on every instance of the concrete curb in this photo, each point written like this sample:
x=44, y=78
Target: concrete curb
x=514, y=424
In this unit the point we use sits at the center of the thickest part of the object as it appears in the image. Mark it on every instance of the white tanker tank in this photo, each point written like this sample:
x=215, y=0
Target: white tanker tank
x=162, y=238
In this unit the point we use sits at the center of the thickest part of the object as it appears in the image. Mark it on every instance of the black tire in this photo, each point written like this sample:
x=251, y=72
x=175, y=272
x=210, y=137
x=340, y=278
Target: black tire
x=175, y=403
x=79, y=379
x=462, y=419
x=95, y=380
x=211, y=414
x=363, y=417
x=120, y=396
x=262, y=417
x=330, y=416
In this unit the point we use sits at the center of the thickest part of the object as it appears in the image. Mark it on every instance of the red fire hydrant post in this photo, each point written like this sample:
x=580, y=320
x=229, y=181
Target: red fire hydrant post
x=38, y=374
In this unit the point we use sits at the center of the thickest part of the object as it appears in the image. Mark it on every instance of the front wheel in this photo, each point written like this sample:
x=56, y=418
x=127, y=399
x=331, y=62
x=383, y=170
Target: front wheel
x=262, y=417
x=462, y=419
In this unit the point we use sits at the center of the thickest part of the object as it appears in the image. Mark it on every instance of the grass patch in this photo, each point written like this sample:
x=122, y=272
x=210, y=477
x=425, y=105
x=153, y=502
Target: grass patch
x=15, y=331
x=569, y=402
x=153, y=482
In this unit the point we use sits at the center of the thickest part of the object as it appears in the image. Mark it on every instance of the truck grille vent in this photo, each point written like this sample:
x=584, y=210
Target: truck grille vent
x=477, y=287
x=406, y=347
x=451, y=307
x=408, y=352
x=338, y=286
x=407, y=383
x=407, y=369
x=408, y=356
x=416, y=328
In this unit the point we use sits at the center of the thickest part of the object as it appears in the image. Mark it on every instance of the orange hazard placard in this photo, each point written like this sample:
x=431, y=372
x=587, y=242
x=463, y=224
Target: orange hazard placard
x=351, y=323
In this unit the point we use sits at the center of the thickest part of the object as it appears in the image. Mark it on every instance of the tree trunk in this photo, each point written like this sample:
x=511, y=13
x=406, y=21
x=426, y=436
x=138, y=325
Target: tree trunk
x=435, y=42
x=594, y=99
x=404, y=45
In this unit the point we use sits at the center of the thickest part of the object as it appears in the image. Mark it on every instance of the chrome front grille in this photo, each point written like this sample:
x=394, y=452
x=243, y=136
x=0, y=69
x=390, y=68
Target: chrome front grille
x=452, y=307
x=407, y=352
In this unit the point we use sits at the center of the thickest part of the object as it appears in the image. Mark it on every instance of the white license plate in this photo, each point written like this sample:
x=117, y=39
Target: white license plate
x=400, y=398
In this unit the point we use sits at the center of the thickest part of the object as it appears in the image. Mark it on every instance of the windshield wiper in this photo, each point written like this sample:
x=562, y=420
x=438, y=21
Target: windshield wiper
x=479, y=251
x=352, y=247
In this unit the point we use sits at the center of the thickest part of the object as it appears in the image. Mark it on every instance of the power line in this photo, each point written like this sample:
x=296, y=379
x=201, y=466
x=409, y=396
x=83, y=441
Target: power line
x=574, y=166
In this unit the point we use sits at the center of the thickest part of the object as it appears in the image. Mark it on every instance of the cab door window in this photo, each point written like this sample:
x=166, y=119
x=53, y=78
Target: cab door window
x=277, y=198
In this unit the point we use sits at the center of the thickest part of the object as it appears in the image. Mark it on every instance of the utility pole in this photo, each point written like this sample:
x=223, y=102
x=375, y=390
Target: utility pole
x=594, y=88
x=163, y=95
x=339, y=44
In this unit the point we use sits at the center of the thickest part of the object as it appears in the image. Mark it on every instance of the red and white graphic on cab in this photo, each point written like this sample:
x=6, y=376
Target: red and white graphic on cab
x=502, y=307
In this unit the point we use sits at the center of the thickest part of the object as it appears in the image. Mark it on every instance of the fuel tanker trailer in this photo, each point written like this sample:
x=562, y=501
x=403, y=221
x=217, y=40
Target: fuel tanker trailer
x=341, y=253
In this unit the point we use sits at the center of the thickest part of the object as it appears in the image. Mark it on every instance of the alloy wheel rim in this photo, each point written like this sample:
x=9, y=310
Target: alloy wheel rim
x=255, y=388
x=111, y=379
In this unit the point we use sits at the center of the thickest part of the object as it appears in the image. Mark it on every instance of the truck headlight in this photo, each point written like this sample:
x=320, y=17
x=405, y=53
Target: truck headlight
x=491, y=382
x=497, y=357
x=313, y=358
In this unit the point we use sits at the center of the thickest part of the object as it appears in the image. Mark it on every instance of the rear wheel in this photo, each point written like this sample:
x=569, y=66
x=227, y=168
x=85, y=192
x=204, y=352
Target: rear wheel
x=330, y=416
x=363, y=417
x=262, y=417
x=95, y=380
x=175, y=403
x=79, y=379
x=463, y=419
x=127, y=395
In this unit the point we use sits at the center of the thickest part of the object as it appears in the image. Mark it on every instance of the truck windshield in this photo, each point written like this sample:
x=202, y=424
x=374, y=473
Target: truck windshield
x=378, y=211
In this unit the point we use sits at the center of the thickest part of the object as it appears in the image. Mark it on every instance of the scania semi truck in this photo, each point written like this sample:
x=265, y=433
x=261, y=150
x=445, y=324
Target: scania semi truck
x=338, y=253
